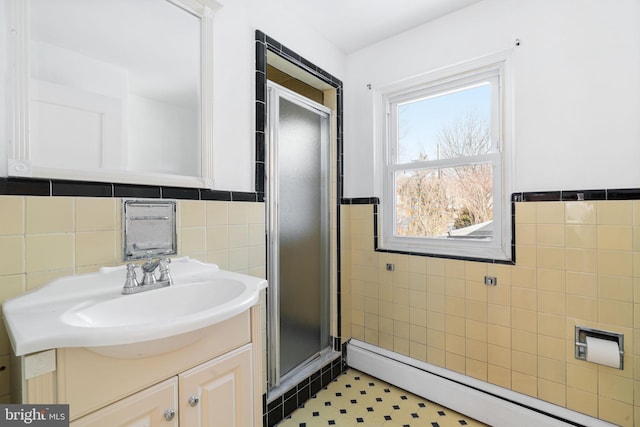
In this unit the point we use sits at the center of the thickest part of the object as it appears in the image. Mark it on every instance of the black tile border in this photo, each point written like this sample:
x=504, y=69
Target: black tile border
x=281, y=407
x=215, y=195
x=264, y=44
x=375, y=202
x=361, y=201
x=623, y=194
x=180, y=193
x=523, y=197
x=577, y=195
x=83, y=189
x=60, y=188
x=132, y=190
x=25, y=187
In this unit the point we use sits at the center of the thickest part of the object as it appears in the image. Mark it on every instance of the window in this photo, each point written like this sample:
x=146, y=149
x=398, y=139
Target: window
x=444, y=170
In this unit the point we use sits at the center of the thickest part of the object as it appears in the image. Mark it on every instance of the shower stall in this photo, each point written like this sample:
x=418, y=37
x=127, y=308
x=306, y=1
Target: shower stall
x=298, y=226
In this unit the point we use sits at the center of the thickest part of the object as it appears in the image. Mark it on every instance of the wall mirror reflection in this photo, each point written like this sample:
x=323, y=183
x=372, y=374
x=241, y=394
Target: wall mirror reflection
x=115, y=91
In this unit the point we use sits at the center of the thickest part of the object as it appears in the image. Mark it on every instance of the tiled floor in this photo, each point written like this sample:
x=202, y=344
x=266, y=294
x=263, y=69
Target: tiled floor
x=355, y=399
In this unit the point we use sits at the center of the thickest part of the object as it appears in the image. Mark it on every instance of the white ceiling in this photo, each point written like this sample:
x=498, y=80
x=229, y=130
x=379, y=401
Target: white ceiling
x=354, y=24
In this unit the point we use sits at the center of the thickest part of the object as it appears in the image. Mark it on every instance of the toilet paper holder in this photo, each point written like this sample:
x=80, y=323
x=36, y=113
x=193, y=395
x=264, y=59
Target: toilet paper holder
x=583, y=332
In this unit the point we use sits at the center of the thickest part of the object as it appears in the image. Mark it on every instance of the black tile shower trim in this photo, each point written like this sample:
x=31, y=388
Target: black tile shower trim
x=48, y=187
x=260, y=87
x=272, y=44
x=298, y=395
x=298, y=60
x=289, y=406
x=290, y=393
x=260, y=147
x=261, y=116
x=260, y=176
x=265, y=43
x=264, y=404
x=337, y=344
x=275, y=415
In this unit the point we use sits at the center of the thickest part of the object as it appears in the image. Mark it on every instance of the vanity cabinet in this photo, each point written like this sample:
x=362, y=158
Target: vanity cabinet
x=151, y=407
x=216, y=380
x=214, y=392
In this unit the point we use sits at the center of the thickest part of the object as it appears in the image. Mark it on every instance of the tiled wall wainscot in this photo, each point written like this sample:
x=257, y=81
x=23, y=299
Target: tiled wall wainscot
x=578, y=263
x=43, y=238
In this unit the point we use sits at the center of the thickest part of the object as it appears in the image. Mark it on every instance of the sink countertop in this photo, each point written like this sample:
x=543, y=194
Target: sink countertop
x=90, y=311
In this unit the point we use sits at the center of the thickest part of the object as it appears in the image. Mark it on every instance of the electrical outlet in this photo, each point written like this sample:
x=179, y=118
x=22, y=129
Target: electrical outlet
x=391, y=267
x=490, y=280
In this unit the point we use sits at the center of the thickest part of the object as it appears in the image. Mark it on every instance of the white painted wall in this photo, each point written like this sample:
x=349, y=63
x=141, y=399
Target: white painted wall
x=3, y=90
x=234, y=80
x=576, y=95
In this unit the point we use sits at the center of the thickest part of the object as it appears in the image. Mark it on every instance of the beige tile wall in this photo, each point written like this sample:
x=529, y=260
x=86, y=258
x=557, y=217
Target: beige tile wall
x=42, y=238
x=345, y=273
x=578, y=263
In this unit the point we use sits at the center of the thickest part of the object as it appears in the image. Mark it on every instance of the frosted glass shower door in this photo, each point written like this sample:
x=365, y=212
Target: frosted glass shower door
x=299, y=231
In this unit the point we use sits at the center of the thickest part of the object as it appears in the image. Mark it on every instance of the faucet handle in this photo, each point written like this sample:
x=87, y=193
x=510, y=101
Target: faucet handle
x=131, y=271
x=165, y=276
x=131, y=280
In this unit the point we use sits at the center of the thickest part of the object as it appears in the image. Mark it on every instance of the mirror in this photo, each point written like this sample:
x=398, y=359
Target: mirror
x=113, y=90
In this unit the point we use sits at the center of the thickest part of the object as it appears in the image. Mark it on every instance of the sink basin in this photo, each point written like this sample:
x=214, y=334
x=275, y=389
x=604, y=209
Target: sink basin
x=89, y=311
x=154, y=306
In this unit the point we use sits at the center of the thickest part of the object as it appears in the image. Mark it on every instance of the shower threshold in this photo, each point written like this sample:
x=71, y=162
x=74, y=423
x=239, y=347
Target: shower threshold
x=303, y=371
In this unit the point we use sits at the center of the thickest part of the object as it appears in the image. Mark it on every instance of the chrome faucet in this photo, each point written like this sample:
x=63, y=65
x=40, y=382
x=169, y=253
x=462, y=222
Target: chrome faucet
x=165, y=275
x=149, y=280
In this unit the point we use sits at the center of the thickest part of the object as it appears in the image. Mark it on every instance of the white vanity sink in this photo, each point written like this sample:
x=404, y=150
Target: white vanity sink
x=155, y=307
x=90, y=311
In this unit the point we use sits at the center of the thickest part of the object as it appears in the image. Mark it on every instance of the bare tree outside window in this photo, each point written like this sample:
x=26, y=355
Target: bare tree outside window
x=453, y=201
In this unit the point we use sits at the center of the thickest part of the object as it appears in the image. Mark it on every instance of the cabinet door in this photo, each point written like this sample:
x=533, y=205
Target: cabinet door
x=219, y=393
x=154, y=406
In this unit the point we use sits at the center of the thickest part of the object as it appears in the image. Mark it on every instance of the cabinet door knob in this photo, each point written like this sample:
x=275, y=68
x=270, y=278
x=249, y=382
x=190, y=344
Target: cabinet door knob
x=193, y=400
x=169, y=414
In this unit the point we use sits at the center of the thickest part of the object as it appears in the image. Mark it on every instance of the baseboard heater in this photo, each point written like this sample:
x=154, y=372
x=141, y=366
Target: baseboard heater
x=488, y=403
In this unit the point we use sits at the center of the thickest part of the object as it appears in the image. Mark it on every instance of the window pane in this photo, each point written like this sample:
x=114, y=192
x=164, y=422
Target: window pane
x=452, y=203
x=445, y=125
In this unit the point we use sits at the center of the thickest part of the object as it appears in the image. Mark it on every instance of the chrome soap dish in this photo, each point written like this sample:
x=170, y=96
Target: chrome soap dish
x=148, y=229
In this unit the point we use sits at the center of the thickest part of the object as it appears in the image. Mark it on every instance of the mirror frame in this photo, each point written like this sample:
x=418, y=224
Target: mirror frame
x=18, y=96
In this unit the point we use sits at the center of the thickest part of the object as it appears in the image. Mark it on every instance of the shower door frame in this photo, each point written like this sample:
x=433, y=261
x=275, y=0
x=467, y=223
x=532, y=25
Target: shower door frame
x=274, y=93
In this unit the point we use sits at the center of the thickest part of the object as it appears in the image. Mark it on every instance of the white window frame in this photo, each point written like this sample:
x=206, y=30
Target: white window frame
x=494, y=68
